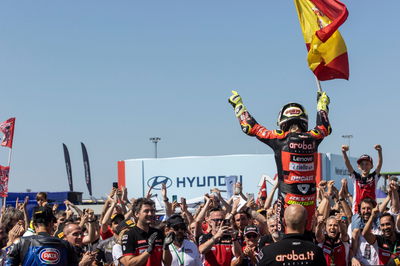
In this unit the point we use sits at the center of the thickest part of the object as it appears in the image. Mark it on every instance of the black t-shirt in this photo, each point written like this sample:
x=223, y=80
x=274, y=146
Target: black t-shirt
x=265, y=241
x=134, y=243
x=292, y=250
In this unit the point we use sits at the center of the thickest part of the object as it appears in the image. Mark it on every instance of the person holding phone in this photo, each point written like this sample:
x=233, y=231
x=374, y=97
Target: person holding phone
x=220, y=245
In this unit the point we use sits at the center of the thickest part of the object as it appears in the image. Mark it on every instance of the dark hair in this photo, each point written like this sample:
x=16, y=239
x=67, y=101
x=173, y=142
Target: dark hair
x=41, y=195
x=368, y=201
x=243, y=212
x=387, y=214
x=44, y=216
x=214, y=210
x=137, y=206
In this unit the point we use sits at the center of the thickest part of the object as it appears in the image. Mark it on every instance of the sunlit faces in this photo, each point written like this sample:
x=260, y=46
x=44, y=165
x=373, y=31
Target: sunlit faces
x=365, y=166
x=332, y=227
x=241, y=220
x=387, y=226
x=366, y=210
x=147, y=214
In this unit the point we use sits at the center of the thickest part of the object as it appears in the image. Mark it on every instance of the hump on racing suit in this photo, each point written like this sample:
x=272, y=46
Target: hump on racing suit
x=41, y=250
x=296, y=160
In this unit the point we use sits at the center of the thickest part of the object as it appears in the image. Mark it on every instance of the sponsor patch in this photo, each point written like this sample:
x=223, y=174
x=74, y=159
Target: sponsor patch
x=293, y=111
x=303, y=188
x=301, y=167
x=309, y=255
x=301, y=178
x=301, y=159
x=49, y=256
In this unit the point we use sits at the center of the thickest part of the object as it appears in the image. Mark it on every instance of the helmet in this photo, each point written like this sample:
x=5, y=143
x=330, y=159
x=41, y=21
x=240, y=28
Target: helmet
x=293, y=113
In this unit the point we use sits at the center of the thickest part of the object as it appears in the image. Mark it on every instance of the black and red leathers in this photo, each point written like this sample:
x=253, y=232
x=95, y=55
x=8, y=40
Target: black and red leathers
x=296, y=161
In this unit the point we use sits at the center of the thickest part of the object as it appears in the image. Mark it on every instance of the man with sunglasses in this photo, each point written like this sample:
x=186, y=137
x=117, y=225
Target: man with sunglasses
x=220, y=245
x=184, y=252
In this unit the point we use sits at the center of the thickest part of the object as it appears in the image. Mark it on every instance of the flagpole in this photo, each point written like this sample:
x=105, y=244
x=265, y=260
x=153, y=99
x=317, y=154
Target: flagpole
x=318, y=84
x=9, y=163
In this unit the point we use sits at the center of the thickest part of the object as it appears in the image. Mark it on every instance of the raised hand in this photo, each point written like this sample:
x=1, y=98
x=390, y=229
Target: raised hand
x=168, y=239
x=236, y=101
x=151, y=242
x=378, y=147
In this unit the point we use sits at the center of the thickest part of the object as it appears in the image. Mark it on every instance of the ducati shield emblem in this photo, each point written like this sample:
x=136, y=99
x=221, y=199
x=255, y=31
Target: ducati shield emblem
x=303, y=188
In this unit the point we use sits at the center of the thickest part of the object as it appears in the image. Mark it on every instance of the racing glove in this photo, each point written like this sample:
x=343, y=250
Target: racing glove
x=236, y=101
x=168, y=240
x=322, y=101
x=151, y=242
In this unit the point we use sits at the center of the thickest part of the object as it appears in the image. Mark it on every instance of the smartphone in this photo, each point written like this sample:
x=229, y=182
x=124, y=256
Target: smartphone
x=115, y=184
x=250, y=195
x=174, y=198
x=227, y=222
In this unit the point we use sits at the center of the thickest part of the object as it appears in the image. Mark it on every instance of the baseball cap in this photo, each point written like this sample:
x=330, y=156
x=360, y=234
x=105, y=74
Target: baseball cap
x=127, y=223
x=251, y=229
x=365, y=157
x=175, y=220
x=117, y=218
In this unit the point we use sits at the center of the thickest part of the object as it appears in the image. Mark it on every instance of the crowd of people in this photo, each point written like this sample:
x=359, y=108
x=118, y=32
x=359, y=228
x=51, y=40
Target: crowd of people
x=347, y=228
x=309, y=222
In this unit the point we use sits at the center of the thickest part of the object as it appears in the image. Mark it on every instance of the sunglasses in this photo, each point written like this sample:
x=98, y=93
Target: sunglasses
x=217, y=220
x=251, y=236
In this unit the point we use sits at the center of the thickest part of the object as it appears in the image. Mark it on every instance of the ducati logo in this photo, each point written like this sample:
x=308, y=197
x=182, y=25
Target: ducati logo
x=303, y=188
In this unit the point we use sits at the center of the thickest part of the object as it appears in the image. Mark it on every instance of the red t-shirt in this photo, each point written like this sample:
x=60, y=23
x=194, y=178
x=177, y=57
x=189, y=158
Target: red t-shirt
x=220, y=253
x=134, y=243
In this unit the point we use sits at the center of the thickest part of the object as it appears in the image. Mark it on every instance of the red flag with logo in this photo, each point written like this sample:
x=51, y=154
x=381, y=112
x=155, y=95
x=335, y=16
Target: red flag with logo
x=7, y=127
x=4, y=171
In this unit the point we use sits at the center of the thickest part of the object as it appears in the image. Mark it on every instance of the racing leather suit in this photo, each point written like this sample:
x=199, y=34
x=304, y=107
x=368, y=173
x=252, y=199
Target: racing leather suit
x=296, y=160
x=41, y=249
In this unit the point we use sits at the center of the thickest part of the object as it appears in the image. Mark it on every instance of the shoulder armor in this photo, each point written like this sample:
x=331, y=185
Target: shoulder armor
x=279, y=132
x=315, y=132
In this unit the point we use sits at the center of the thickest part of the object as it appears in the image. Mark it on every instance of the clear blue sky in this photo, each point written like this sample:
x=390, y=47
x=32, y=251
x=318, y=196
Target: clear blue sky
x=114, y=73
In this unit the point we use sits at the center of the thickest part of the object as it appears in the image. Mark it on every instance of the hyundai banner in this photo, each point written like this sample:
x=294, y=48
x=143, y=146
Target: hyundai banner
x=192, y=177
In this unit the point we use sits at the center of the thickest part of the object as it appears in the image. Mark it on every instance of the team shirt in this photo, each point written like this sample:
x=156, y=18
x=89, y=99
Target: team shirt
x=387, y=248
x=293, y=249
x=363, y=188
x=134, y=243
x=220, y=253
x=335, y=252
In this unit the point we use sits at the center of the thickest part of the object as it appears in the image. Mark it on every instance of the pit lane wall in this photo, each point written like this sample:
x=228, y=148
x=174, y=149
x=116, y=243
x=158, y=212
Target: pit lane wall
x=192, y=177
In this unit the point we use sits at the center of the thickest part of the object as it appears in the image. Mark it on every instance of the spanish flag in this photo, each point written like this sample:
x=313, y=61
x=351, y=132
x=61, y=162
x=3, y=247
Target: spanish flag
x=327, y=52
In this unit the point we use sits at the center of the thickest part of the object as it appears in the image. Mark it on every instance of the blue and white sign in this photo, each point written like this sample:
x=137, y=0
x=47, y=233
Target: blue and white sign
x=192, y=177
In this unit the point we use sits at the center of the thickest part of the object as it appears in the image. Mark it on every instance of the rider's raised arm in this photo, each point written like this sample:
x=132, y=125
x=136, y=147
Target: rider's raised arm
x=248, y=124
x=323, y=126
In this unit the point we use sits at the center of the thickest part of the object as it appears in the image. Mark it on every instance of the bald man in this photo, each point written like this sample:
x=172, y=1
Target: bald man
x=294, y=248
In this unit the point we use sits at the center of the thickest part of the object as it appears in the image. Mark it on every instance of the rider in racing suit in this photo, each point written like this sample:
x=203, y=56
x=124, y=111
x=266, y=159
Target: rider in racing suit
x=41, y=249
x=295, y=151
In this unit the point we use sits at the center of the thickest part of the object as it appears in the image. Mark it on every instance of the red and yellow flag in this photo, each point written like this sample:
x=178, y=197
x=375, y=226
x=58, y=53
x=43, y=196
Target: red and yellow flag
x=327, y=52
